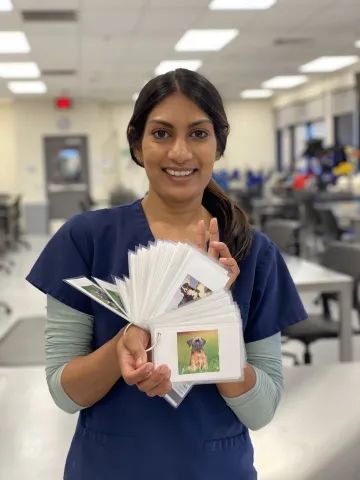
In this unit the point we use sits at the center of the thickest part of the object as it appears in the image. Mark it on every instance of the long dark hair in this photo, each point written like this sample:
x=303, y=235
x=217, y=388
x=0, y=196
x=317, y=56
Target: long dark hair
x=232, y=220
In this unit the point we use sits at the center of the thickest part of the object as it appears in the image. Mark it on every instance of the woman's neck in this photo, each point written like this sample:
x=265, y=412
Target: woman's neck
x=175, y=221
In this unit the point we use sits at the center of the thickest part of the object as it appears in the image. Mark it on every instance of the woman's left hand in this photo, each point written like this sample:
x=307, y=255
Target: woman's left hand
x=217, y=249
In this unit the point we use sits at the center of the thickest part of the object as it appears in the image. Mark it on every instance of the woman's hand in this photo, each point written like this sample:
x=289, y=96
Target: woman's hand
x=135, y=368
x=217, y=249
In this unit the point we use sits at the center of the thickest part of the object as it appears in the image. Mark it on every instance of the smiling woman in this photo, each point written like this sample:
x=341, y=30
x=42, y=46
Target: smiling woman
x=99, y=366
x=178, y=131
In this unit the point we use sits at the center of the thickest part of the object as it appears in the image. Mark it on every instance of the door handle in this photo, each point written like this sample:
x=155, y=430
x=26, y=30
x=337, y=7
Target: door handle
x=66, y=187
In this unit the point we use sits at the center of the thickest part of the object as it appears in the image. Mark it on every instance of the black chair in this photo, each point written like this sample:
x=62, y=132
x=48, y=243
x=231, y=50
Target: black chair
x=330, y=226
x=285, y=235
x=344, y=258
x=4, y=267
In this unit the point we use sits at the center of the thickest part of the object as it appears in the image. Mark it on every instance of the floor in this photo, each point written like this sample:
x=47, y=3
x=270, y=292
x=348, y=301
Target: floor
x=314, y=436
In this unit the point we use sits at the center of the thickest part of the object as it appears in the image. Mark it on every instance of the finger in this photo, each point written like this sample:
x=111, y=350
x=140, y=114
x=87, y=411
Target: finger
x=214, y=237
x=161, y=390
x=201, y=236
x=221, y=248
x=132, y=375
x=233, y=269
x=159, y=375
x=134, y=344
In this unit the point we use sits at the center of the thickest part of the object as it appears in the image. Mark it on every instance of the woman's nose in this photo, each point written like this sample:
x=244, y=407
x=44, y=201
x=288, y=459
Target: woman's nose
x=179, y=151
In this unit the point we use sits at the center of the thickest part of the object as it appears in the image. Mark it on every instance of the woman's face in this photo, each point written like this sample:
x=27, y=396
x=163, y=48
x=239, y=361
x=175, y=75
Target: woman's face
x=178, y=149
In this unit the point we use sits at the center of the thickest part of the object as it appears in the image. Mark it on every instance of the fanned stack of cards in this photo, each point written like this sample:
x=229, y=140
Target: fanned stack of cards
x=179, y=295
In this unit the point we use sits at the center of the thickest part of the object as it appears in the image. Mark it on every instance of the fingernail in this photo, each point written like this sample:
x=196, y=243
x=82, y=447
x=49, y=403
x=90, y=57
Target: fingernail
x=148, y=368
x=163, y=370
x=139, y=362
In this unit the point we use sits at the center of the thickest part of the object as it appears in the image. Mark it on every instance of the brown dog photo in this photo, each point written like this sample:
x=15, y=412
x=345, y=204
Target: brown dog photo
x=198, y=352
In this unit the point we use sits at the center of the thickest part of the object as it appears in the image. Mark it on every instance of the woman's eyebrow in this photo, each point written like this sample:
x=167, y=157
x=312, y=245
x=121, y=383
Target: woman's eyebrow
x=169, y=125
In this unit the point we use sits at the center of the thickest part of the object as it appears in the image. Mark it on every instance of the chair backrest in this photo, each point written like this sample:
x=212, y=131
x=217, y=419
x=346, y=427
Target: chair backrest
x=284, y=233
x=329, y=224
x=344, y=257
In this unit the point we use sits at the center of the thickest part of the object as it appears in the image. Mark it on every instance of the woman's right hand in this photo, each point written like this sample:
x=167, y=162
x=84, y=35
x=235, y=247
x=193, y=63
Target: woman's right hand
x=134, y=367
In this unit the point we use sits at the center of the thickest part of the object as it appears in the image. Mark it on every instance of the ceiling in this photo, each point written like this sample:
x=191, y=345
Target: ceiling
x=114, y=46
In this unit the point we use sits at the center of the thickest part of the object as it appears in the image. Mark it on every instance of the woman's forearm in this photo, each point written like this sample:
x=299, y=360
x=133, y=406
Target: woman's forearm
x=86, y=380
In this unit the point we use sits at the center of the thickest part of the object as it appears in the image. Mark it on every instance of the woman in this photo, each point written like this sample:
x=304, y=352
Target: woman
x=126, y=430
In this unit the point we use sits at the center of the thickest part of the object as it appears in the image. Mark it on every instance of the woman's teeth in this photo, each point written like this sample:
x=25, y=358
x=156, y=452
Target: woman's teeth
x=175, y=173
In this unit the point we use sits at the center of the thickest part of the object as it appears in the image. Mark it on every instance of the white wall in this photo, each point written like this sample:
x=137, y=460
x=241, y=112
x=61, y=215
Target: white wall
x=319, y=89
x=8, y=166
x=24, y=124
x=251, y=142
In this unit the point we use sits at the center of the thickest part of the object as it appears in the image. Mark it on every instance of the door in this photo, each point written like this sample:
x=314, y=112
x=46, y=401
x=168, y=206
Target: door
x=67, y=175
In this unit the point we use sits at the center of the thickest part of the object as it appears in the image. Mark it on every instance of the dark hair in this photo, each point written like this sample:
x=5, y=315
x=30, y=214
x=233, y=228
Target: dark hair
x=233, y=221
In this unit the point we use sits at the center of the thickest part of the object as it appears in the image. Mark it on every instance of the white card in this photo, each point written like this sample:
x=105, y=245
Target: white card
x=201, y=354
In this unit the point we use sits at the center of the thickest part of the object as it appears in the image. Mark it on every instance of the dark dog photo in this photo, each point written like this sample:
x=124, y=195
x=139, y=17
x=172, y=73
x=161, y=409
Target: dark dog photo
x=192, y=290
x=198, y=352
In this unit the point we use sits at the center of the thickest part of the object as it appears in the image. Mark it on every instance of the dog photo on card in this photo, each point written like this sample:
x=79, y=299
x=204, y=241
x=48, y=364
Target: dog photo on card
x=189, y=291
x=200, y=353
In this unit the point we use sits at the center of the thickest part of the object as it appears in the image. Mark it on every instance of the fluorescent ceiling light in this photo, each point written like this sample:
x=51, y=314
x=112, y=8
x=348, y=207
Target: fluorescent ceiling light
x=27, y=87
x=328, y=64
x=261, y=93
x=19, y=70
x=13, y=42
x=285, y=82
x=170, y=65
x=205, y=40
x=241, y=4
x=6, y=6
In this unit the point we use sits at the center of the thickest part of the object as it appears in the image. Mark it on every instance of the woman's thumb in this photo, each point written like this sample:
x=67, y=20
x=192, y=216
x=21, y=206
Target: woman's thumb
x=137, y=350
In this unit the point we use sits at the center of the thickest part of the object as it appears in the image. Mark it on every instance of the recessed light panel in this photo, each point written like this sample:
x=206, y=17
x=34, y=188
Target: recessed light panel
x=205, y=40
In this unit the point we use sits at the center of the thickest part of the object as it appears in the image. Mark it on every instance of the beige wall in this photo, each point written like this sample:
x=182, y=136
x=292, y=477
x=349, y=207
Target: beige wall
x=24, y=124
x=251, y=142
x=8, y=166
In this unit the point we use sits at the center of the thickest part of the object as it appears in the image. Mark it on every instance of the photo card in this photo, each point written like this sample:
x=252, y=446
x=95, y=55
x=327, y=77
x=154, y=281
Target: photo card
x=96, y=293
x=201, y=354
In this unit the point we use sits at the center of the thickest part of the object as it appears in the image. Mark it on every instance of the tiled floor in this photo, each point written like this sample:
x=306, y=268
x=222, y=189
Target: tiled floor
x=315, y=434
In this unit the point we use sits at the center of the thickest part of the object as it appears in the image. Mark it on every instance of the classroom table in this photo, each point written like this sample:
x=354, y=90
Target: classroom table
x=314, y=435
x=311, y=277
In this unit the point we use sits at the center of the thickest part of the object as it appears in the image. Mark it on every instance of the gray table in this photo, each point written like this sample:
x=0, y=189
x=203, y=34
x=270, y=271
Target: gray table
x=268, y=206
x=311, y=277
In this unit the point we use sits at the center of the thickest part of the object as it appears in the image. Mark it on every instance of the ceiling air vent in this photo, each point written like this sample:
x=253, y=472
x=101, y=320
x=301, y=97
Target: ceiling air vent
x=58, y=73
x=49, y=15
x=283, y=42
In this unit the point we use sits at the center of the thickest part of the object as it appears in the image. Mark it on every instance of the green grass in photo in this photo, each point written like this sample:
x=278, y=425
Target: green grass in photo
x=211, y=349
x=100, y=295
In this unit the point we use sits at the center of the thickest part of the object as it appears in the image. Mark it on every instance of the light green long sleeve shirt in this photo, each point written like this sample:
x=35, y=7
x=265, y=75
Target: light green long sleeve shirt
x=69, y=334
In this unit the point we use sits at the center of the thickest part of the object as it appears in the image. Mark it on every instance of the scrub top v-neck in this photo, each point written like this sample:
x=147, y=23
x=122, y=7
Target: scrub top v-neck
x=128, y=435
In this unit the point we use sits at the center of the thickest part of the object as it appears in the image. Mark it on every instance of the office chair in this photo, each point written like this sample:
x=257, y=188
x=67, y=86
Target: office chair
x=18, y=232
x=285, y=235
x=341, y=257
x=330, y=226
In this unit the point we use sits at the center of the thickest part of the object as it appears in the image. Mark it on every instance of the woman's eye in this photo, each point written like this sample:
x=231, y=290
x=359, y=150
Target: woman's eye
x=160, y=134
x=199, y=134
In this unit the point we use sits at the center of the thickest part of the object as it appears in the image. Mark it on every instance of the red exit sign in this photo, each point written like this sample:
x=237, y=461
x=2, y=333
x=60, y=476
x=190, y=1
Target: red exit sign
x=63, y=103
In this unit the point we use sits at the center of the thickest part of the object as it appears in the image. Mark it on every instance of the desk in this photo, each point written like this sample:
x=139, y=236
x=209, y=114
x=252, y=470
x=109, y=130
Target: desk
x=314, y=435
x=309, y=276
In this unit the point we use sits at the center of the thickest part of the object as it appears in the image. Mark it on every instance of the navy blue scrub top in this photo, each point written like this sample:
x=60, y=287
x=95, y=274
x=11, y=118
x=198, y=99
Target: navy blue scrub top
x=128, y=435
